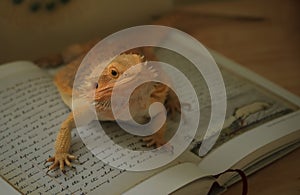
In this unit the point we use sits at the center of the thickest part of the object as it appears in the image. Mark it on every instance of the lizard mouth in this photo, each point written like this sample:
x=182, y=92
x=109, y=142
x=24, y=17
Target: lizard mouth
x=103, y=105
x=102, y=96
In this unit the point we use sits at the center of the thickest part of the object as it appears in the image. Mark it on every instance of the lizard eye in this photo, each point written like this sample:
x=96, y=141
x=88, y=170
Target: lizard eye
x=114, y=73
x=96, y=85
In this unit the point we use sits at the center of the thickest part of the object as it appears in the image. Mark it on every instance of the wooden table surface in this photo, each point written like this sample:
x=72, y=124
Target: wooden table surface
x=263, y=36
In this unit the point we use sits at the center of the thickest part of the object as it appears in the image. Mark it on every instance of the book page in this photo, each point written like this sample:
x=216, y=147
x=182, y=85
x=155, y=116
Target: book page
x=171, y=179
x=31, y=114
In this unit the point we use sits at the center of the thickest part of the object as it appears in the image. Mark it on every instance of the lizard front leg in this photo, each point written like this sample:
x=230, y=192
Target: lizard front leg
x=159, y=94
x=62, y=145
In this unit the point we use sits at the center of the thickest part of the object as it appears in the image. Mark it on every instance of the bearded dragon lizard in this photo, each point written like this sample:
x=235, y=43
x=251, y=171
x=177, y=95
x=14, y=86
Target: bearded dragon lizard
x=140, y=101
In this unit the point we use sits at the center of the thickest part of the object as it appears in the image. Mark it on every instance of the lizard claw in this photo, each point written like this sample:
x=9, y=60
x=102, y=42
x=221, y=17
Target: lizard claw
x=158, y=142
x=154, y=140
x=60, y=159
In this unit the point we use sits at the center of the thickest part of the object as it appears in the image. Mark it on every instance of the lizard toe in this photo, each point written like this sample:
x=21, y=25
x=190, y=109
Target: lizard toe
x=60, y=160
x=154, y=140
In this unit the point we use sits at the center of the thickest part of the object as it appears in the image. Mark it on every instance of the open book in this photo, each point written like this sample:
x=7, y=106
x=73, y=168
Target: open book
x=32, y=111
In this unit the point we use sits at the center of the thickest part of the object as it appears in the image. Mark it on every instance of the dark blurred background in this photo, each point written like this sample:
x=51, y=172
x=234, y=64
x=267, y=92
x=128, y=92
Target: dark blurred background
x=34, y=28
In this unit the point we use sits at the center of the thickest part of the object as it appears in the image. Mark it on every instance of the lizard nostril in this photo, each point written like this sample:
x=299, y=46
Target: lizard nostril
x=96, y=85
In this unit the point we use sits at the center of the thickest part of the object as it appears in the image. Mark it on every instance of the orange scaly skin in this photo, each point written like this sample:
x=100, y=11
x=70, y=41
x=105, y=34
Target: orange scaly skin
x=139, y=103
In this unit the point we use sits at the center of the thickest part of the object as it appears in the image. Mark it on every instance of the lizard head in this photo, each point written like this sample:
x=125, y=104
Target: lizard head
x=112, y=76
